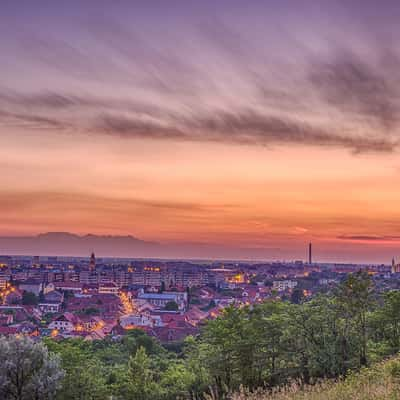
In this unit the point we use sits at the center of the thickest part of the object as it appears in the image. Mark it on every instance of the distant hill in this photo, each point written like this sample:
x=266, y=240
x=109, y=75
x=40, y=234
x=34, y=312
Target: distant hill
x=70, y=244
x=65, y=243
x=379, y=382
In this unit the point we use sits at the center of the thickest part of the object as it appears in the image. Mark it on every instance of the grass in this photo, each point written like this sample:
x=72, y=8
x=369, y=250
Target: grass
x=379, y=382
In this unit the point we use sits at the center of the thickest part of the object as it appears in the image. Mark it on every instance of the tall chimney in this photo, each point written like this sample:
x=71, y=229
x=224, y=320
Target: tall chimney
x=310, y=253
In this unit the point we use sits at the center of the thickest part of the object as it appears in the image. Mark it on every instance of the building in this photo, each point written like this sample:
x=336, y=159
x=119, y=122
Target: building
x=281, y=286
x=3, y=281
x=64, y=323
x=92, y=264
x=89, y=277
x=68, y=286
x=395, y=267
x=160, y=300
x=49, y=307
x=108, y=288
x=31, y=286
x=140, y=320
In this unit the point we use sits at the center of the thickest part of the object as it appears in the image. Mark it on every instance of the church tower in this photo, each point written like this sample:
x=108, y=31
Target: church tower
x=92, y=264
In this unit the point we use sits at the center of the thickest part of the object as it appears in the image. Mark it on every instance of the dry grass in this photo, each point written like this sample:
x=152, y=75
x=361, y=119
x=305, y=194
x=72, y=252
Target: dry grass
x=381, y=382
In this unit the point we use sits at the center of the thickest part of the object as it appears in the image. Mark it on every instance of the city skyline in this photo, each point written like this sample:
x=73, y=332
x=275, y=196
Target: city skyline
x=204, y=125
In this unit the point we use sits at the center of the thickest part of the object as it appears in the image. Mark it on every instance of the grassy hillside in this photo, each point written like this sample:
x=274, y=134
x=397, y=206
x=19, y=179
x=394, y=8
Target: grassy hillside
x=380, y=382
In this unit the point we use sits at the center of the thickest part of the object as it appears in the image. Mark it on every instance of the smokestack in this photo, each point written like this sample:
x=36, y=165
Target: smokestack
x=310, y=253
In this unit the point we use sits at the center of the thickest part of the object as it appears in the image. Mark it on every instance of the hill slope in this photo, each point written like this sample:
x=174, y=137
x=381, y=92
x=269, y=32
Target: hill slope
x=380, y=382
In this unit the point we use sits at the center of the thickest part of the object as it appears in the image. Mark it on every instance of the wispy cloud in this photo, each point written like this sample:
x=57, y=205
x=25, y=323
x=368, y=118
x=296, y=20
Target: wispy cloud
x=360, y=89
x=27, y=201
x=370, y=238
x=244, y=126
x=187, y=100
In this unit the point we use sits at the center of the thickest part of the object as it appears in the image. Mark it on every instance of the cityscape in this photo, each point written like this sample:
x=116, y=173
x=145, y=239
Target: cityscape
x=89, y=297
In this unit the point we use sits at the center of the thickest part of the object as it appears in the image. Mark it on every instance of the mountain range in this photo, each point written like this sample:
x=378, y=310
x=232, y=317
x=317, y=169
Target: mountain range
x=65, y=243
x=70, y=244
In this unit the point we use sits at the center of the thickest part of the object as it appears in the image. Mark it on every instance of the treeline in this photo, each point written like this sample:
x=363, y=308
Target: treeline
x=260, y=346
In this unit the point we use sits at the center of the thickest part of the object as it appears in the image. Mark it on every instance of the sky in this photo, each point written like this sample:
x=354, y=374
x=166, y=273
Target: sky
x=239, y=124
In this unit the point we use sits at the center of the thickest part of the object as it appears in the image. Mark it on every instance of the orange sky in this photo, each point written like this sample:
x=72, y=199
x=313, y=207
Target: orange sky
x=171, y=191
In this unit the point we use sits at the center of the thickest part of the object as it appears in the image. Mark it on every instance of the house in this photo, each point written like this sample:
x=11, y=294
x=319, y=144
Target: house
x=64, y=323
x=281, y=286
x=49, y=307
x=90, y=323
x=139, y=320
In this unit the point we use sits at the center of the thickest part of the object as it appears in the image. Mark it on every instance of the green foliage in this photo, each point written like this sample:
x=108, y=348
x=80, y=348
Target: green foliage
x=136, y=367
x=266, y=345
x=269, y=344
x=385, y=323
x=246, y=346
x=85, y=378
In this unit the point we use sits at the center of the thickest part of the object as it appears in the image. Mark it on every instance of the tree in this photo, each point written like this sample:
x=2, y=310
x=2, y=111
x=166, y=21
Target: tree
x=29, y=298
x=195, y=351
x=171, y=306
x=355, y=300
x=28, y=371
x=84, y=378
x=176, y=382
x=320, y=342
x=385, y=323
x=141, y=385
x=227, y=348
